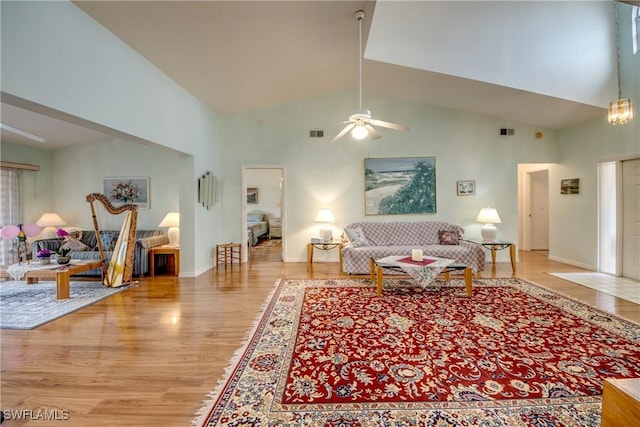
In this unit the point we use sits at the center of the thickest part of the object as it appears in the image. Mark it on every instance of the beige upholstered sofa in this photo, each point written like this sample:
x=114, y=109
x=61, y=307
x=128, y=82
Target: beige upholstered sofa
x=364, y=240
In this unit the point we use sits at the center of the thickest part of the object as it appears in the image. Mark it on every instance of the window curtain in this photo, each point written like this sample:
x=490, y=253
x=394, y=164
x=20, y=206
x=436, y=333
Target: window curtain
x=11, y=209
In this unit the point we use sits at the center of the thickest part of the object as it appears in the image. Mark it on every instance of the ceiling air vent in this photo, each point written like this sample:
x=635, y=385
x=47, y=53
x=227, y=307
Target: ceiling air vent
x=505, y=132
x=316, y=133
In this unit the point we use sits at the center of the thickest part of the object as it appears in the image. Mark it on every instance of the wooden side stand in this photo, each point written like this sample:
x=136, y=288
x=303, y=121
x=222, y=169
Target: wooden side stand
x=621, y=402
x=173, y=261
x=227, y=252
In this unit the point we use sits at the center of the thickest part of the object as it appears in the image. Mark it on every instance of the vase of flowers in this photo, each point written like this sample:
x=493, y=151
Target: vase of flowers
x=63, y=253
x=44, y=256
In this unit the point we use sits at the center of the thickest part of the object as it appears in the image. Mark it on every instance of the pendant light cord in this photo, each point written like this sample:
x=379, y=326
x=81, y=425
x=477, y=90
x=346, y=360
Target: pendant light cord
x=615, y=5
x=360, y=61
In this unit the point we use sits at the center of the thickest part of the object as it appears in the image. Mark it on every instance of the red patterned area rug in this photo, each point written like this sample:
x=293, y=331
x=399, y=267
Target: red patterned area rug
x=332, y=353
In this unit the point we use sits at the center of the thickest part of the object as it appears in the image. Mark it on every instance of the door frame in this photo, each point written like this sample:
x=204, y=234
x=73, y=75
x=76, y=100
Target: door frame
x=618, y=215
x=283, y=208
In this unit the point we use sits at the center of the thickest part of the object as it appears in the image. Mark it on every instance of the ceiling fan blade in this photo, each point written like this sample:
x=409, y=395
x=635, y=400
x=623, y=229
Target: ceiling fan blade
x=389, y=125
x=372, y=132
x=343, y=132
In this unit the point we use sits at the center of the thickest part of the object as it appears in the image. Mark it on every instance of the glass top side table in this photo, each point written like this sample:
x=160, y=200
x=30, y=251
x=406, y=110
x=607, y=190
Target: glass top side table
x=323, y=246
x=498, y=245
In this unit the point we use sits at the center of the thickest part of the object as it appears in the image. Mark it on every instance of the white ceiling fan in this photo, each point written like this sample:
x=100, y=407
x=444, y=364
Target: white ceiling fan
x=361, y=123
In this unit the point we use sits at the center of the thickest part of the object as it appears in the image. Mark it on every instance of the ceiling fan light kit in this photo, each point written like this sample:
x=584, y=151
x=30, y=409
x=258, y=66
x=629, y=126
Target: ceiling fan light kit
x=360, y=122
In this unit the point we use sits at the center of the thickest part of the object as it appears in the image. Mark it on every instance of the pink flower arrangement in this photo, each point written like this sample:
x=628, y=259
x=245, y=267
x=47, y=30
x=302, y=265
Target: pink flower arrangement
x=44, y=253
x=61, y=250
x=125, y=192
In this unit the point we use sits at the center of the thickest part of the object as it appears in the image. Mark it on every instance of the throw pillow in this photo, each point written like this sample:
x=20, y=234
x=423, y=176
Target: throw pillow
x=356, y=236
x=255, y=217
x=74, y=244
x=448, y=237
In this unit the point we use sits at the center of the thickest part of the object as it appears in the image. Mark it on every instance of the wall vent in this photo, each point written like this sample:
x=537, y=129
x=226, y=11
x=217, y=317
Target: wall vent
x=505, y=131
x=316, y=133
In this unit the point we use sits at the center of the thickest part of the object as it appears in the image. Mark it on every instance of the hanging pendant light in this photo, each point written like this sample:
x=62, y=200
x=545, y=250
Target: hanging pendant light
x=620, y=111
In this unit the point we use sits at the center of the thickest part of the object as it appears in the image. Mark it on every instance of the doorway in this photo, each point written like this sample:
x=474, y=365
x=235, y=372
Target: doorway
x=619, y=217
x=263, y=190
x=534, y=207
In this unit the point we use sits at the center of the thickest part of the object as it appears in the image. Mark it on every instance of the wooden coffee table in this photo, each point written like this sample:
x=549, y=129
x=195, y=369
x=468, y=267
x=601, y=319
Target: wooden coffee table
x=377, y=267
x=61, y=275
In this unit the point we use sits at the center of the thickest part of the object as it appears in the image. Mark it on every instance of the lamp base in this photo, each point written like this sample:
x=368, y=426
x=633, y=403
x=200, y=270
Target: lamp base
x=326, y=234
x=489, y=233
x=174, y=236
x=49, y=233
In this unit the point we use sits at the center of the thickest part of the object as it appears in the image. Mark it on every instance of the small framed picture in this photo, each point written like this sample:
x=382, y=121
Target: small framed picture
x=466, y=188
x=252, y=195
x=570, y=186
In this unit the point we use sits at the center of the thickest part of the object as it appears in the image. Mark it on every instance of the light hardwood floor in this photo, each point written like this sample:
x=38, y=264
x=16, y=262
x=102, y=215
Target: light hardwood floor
x=148, y=356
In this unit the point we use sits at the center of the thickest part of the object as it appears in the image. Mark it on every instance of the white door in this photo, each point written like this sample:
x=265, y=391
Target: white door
x=631, y=219
x=539, y=210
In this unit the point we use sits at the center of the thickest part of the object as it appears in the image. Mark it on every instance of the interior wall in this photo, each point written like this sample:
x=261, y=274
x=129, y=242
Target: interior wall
x=321, y=174
x=88, y=73
x=269, y=185
x=64, y=193
x=533, y=48
x=38, y=185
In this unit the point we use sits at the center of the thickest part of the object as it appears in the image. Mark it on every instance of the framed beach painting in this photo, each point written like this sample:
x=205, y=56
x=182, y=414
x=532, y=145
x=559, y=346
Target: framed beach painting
x=252, y=195
x=123, y=190
x=401, y=185
x=570, y=186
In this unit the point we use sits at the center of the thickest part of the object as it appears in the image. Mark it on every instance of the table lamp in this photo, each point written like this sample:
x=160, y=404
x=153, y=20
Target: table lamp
x=488, y=216
x=325, y=216
x=50, y=221
x=172, y=220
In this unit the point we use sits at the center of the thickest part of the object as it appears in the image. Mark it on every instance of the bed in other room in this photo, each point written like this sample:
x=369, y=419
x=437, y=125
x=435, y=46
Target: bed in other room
x=257, y=225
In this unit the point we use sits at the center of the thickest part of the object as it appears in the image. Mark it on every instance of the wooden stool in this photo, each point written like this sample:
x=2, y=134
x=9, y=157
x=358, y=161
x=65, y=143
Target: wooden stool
x=228, y=252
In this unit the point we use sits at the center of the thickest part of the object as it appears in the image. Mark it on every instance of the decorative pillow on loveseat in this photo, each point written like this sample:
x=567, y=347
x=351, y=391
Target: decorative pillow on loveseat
x=73, y=242
x=356, y=236
x=448, y=237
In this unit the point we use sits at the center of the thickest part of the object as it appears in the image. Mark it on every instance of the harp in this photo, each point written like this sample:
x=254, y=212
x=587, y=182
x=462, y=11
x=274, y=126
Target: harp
x=120, y=269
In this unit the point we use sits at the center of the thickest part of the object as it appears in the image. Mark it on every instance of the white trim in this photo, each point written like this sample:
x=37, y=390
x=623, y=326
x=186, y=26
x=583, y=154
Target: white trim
x=572, y=262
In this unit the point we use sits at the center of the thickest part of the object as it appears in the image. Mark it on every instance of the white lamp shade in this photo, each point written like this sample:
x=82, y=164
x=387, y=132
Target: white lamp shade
x=488, y=216
x=325, y=215
x=172, y=220
x=49, y=221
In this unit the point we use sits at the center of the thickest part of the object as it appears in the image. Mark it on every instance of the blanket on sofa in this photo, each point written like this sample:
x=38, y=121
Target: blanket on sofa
x=366, y=240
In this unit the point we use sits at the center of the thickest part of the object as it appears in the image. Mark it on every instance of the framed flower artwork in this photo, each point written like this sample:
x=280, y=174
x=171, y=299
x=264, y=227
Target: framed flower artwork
x=123, y=190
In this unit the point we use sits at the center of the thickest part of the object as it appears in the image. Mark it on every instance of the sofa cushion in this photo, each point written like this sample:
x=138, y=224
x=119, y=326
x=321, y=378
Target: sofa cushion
x=356, y=237
x=448, y=237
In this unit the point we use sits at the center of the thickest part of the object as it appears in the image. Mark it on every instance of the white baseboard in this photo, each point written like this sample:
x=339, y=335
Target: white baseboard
x=572, y=262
